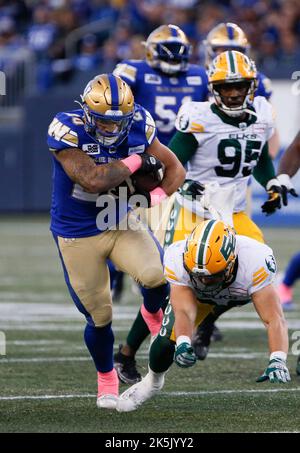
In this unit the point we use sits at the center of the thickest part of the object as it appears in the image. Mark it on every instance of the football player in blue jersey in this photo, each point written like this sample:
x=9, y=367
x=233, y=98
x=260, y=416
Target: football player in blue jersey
x=96, y=149
x=165, y=79
x=161, y=82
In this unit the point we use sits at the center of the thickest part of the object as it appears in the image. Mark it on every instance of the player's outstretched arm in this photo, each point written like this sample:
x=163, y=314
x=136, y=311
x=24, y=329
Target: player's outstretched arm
x=184, y=306
x=288, y=167
x=99, y=178
x=268, y=307
x=174, y=171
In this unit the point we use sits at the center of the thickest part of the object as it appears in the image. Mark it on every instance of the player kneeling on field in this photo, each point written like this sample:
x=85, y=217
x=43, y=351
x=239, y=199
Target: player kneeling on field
x=210, y=271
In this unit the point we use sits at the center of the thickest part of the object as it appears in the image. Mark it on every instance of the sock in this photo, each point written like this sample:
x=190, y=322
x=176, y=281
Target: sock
x=161, y=354
x=138, y=333
x=153, y=320
x=100, y=342
x=139, y=329
x=154, y=298
x=293, y=271
x=108, y=383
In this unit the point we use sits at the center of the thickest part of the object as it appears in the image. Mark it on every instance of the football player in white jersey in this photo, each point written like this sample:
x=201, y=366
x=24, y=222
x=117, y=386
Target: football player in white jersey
x=210, y=272
x=224, y=141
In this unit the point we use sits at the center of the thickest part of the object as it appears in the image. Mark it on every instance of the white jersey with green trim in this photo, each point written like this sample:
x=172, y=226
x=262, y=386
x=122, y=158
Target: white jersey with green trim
x=256, y=269
x=228, y=149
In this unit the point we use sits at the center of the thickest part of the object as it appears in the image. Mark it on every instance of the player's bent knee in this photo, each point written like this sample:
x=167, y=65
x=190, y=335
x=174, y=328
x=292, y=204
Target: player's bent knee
x=102, y=316
x=153, y=277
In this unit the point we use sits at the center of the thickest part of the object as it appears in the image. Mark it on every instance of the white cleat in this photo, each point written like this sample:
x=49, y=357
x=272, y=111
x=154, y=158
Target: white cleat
x=138, y=393
x=107, y=402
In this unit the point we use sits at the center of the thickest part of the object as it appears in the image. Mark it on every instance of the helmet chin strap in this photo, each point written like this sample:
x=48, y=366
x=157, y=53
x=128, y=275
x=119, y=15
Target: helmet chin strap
x=237, y=113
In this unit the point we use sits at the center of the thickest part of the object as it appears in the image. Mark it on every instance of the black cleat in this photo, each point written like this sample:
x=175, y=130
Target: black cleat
x=126, y=368
x=201, y=340
x=216, y=334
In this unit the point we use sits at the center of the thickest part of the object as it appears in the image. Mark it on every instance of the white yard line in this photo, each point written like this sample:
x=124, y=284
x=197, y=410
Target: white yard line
x=212, y=355
x=165, y=394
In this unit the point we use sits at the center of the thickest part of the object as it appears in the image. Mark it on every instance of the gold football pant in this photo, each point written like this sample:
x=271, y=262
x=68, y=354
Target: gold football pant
x=133, y=251
x=181, y=223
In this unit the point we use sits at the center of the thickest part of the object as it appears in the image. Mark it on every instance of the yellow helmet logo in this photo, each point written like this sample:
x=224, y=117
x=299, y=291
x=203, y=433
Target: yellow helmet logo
x=210, y=249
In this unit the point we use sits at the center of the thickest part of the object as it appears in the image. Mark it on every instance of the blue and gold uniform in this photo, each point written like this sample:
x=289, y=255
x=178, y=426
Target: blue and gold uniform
x=163, y=94
x=84, y=245
x=74, y=212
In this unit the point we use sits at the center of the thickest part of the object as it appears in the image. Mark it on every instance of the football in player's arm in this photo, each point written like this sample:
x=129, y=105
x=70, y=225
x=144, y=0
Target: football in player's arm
x=213, y=268
x=96, y=148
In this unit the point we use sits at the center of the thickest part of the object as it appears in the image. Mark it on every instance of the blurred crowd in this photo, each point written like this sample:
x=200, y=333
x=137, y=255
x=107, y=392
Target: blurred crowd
x=69, y=36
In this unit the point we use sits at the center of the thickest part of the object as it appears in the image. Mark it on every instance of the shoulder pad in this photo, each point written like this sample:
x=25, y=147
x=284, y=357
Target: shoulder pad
x=190, y=117
x=264, y=86
x=127, y=71
x=150, y=127
x=63, y=128
x=264, y=110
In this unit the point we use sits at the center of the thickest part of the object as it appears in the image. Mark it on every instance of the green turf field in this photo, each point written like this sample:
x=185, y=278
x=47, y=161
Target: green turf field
x=48, y=383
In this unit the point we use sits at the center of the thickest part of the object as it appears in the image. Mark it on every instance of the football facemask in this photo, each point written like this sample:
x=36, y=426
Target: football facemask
x=108, y=106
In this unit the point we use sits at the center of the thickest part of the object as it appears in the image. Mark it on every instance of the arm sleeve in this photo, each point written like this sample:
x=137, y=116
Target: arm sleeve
x=264, y=170
x=184, y=146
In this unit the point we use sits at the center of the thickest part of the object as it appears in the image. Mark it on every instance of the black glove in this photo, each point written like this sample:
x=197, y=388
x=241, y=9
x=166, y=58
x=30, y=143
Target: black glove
x=150, y=164
x=286, y=188
x=191, y=188
x=274, y=201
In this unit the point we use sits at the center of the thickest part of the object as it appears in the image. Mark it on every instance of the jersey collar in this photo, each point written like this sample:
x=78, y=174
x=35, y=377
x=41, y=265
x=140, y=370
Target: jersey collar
x=250, y=119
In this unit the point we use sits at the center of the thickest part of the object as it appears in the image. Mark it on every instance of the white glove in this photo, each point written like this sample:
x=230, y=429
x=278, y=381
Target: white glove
x=286, y=187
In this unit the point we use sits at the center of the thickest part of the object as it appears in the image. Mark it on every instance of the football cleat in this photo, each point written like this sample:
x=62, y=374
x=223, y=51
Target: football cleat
x=126, y=368
x=136, y=395
x=107, y=402
x=201, y=339
x=216, y=334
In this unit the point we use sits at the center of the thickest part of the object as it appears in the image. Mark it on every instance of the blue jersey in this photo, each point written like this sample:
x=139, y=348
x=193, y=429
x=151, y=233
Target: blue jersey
x=75, y=212
x=163, y=94
x=264, y=87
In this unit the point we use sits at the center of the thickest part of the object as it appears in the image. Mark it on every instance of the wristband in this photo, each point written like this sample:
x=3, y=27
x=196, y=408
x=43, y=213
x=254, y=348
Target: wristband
x=133, y=163
x=157, y=195
x=278, y=355
x=183, y=339
x=272, y=182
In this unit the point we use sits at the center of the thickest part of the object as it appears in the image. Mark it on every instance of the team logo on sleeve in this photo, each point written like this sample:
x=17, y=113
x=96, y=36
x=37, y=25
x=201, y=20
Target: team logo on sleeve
x=183, y=122
x=271, y=263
